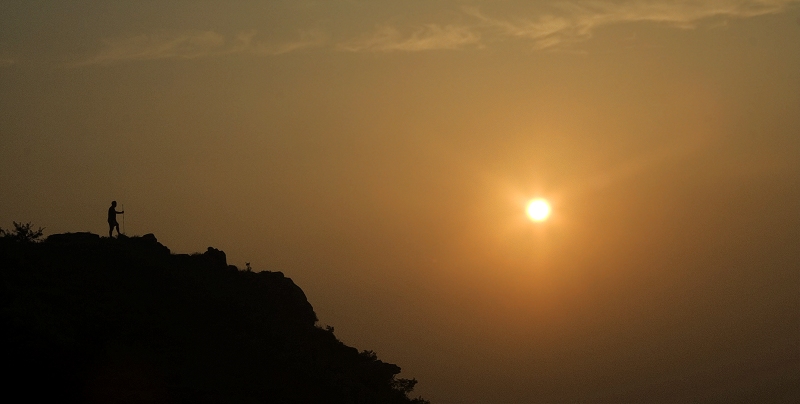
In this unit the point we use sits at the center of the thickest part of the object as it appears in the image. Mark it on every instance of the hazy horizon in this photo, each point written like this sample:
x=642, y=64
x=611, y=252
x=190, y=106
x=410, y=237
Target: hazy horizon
x=381, y=154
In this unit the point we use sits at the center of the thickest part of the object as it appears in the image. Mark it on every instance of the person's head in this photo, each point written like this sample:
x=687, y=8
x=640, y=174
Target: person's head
x=113, y=203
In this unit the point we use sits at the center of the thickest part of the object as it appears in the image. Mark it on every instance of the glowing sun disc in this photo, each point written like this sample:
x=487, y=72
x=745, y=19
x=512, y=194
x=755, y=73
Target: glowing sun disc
x=538, y=210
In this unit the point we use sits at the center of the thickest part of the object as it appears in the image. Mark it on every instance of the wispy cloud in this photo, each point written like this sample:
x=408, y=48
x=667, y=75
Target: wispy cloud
x=574, y=21
x=429, y=37
x=567, y=22
x=5, y=62
x=245, y=43
x=191, y=45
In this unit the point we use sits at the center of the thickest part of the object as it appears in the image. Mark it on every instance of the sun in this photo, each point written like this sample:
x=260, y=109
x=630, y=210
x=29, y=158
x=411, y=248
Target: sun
x=538, y=210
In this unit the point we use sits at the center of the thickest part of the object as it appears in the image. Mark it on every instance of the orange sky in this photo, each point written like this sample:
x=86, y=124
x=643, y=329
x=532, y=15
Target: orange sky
x=381, y=154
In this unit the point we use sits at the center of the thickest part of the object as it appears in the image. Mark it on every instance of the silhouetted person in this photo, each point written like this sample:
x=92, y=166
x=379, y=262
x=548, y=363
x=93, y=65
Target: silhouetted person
x=112, y=218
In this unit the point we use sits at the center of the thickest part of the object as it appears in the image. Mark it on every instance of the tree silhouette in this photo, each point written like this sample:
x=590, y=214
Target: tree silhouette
x=23, y=233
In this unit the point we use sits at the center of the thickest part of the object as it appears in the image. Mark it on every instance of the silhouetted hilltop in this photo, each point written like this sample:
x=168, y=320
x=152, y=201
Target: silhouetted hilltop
x=103, y=320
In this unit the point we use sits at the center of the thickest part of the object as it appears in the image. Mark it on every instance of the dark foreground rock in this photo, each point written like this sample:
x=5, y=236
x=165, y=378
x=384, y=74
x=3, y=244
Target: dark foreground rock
x=92, y=319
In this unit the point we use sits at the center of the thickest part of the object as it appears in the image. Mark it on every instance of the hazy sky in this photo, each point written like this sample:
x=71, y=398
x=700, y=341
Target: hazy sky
x=381, y=154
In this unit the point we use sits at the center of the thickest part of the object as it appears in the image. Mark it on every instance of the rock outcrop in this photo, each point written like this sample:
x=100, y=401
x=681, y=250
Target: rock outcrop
x=93, y=319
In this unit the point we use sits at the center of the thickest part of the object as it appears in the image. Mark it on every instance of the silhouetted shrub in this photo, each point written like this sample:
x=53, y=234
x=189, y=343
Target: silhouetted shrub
x=369, y=355
x=23, y=233
x=404, y=385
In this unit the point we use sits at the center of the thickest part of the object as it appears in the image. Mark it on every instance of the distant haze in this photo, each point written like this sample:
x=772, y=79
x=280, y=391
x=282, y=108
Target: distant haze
x=382, y=154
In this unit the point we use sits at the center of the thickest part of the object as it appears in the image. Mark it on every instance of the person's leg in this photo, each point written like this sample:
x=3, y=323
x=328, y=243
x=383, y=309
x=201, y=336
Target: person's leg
x=117, y=226
x=110, y=229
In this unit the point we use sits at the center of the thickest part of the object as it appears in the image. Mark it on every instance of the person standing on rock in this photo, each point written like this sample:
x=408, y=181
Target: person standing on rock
x=112, y=219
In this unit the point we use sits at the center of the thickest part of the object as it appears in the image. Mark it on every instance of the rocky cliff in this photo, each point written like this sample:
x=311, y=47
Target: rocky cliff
x=93, y=319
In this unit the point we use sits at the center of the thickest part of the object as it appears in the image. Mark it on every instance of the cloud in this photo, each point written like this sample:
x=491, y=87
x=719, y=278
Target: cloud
x=152, y=47
x=568, y=22
x=428, y=37
x=244, y=43
x=5, y=62
x=575, y=21
x=191, y=45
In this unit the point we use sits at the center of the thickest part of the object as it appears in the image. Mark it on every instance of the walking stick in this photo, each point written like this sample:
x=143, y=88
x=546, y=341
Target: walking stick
x=123, y=218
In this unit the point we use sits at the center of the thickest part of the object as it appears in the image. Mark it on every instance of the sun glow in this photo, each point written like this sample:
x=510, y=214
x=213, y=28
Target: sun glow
x=538, y=210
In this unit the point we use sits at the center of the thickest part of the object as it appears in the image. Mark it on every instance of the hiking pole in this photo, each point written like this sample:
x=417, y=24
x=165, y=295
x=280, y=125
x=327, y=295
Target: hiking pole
x=123, y=218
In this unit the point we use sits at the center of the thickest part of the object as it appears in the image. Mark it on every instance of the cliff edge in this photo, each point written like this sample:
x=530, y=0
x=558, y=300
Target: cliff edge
x=102, y=320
